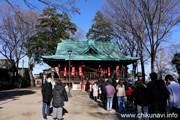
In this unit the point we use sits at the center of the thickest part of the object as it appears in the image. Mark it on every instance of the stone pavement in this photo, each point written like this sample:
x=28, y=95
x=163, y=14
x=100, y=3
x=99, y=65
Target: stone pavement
x=26, y=104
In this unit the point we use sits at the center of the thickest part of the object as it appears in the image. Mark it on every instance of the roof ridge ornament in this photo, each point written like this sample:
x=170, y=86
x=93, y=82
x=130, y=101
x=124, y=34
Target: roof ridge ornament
x=91, y=45
x=62, y=40
x=90, y=42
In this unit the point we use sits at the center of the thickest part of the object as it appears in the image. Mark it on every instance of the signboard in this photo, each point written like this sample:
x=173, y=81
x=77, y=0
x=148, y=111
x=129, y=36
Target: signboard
x=65, y=71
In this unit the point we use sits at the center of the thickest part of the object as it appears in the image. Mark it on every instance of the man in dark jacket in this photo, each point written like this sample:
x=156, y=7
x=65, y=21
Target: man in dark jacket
x=103, y=90
x=158, y=95
x=59, y=96
x=87, y=86
x=114, y=84
x=47, y=96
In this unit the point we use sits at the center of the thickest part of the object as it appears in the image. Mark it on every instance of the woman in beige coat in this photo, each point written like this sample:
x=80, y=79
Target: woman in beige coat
x=120, y=96
x=95, y=91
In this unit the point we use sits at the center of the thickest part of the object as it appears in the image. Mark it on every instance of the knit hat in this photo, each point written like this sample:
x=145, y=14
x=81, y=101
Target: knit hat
x=109, y=81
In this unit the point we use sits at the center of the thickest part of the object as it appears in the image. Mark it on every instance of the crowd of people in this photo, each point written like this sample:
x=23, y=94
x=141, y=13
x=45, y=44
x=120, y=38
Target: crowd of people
x=149, y=98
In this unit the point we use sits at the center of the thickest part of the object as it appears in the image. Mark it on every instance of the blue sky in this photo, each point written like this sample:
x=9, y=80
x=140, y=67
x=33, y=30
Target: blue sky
x=88, y=10
x=84, y=21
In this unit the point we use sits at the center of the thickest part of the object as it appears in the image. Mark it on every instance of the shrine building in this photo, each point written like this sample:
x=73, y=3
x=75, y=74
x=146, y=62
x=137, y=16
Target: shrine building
x=89, y=60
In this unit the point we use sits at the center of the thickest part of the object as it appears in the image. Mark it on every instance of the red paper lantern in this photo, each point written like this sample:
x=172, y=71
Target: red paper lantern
x=117, y=70
x=57, y=70
x=73, y=71
x=109, y=73
x=80, y=71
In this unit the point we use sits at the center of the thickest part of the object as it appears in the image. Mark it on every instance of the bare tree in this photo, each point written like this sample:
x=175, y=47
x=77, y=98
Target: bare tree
x=32, y=18
x=162, y=60
x=12, y=37
x=68, y=6
x=173, y=49
x=79, y=35
x=155, y=20
x=129, y=33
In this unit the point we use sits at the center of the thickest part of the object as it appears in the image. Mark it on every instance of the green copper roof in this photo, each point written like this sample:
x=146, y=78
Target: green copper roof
x=106, y=51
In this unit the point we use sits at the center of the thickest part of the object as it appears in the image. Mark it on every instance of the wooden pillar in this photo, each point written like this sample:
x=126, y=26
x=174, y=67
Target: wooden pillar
x=94, y=75
x=90, y=75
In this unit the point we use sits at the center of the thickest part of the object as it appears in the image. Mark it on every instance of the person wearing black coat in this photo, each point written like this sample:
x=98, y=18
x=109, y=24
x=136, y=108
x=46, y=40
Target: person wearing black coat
x=59, y=96
x=103, y=94
x=46, y=96
x=115, y=102
x=141, y=98
x=158, y=95
x=87, y=86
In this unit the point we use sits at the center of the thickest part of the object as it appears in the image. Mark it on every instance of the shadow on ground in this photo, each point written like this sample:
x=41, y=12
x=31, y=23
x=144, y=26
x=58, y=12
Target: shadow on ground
x=120, y=116
x=4, y=95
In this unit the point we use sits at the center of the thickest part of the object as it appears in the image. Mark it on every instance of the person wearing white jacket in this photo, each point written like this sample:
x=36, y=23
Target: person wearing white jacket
x=174, y=96
x=95, y=91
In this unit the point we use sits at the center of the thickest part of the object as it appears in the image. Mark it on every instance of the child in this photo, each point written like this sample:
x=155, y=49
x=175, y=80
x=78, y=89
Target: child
x=129, y=97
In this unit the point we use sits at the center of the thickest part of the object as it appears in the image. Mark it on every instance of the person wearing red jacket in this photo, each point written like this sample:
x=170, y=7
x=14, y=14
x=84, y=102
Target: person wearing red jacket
x=129, y=95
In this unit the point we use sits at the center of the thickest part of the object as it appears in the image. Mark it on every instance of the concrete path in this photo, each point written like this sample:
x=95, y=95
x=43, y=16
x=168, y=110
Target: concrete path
x=26, y=104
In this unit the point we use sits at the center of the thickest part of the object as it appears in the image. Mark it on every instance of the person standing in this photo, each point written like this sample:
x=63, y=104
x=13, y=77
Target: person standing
x=87, y=86
x=174, y=95
x=110, y=94
x=67, y=88
x=59, y=96
x=103, y=95
x=47, y=96
x=120, y=96
x=158, y=95
x=141, y=99
x=115, y=102
x=129, y=93
x=95, y=91
x=179, y=80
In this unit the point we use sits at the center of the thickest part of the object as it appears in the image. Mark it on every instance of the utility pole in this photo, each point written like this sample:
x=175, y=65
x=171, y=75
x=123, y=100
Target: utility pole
x=23, y=68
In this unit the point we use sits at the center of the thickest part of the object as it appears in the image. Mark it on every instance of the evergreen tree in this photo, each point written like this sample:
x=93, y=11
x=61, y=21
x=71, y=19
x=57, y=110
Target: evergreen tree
x=176, y=61
x=100, y=30
x=53, y=27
